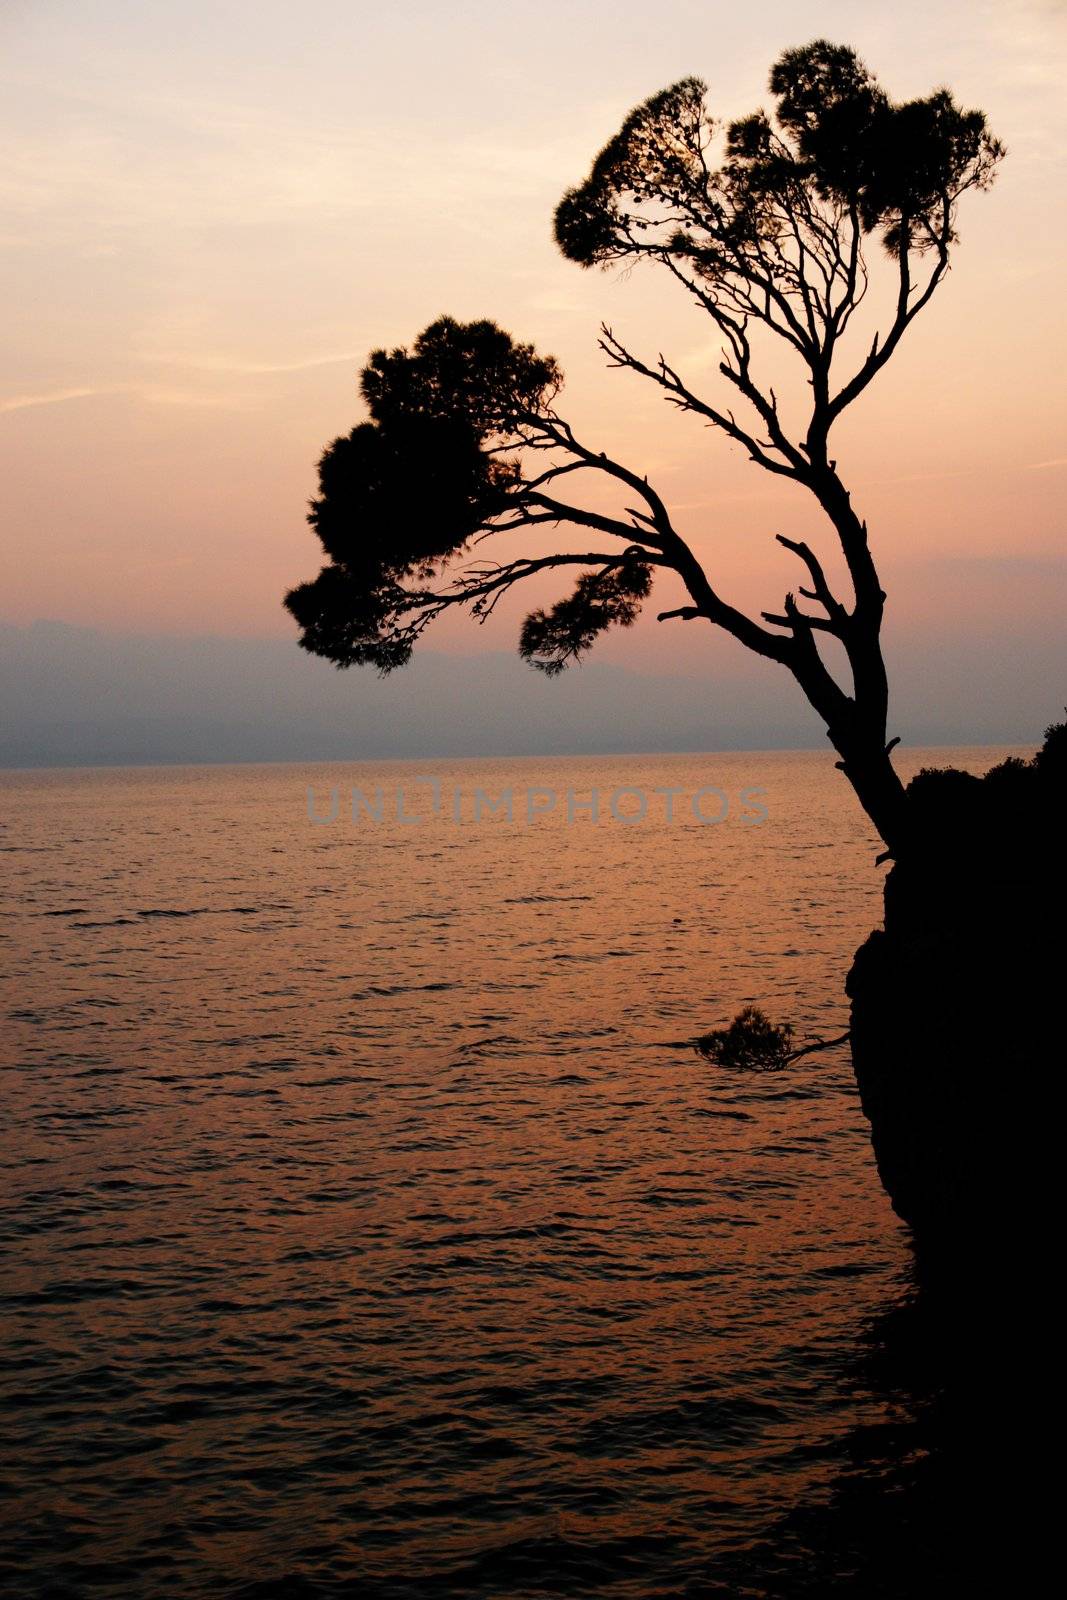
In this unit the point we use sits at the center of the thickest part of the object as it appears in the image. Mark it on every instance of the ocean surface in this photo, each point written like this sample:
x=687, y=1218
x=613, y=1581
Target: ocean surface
x=367, y=1229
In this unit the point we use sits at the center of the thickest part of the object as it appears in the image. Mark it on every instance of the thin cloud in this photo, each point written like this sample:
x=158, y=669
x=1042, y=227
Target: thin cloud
x=253, y=369
x=22, y=402
x=148, y=394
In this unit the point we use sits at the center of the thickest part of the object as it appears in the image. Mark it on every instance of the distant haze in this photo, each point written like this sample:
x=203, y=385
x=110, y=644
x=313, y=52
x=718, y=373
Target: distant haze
x=75, y=696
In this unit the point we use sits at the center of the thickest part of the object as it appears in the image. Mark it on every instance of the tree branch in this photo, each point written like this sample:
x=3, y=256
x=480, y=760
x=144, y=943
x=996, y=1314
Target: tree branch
x=821, y=592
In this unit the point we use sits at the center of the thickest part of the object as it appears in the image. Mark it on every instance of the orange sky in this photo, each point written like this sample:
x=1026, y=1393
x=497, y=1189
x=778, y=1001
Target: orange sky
x=213, y=212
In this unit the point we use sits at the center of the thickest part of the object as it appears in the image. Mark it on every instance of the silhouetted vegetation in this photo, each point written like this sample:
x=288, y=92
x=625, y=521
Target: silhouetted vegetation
x=956, y=811
x=764, y=224
x=751, y=1040
x=753, y=1043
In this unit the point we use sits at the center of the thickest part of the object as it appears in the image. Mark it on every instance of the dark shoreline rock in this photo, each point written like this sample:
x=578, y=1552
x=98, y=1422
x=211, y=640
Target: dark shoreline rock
x=957, y=1022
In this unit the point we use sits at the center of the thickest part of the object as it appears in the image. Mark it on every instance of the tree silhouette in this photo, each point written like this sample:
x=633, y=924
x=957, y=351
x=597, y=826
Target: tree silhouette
x=466, y=443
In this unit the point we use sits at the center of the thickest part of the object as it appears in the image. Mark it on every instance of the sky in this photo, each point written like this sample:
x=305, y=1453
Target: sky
x=211, y=213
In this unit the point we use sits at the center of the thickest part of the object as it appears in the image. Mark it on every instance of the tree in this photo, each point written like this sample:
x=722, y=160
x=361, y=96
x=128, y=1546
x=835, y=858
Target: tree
x=466, y=442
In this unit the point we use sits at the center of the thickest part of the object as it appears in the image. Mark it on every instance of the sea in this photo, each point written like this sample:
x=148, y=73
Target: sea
x=370, y=1226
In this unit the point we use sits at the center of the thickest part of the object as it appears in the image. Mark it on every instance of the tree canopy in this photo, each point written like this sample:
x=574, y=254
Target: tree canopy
x=763, y=222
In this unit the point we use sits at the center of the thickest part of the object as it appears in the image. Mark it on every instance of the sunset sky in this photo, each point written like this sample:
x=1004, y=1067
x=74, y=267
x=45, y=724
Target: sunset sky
x=213, y=212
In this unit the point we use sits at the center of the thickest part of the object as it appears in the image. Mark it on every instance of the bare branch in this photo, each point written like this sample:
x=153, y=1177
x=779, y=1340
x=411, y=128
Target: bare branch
x=678, y=394
x=821, y=592
x=686, y=613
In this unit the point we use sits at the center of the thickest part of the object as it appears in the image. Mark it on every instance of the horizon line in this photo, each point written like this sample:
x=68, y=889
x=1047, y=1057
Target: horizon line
x=568, y=755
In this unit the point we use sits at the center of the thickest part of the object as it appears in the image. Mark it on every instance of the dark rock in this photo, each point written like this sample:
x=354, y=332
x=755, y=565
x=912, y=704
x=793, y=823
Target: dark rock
x=957, y=1004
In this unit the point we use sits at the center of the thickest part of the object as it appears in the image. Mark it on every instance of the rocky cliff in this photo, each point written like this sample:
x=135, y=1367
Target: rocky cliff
x=958, y=1026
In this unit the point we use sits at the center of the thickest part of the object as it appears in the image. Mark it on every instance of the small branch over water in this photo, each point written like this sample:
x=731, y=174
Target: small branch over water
x=752, y=1041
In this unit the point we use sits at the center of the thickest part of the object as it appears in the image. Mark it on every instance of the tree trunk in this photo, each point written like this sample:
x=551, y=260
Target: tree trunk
x=868, y=767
